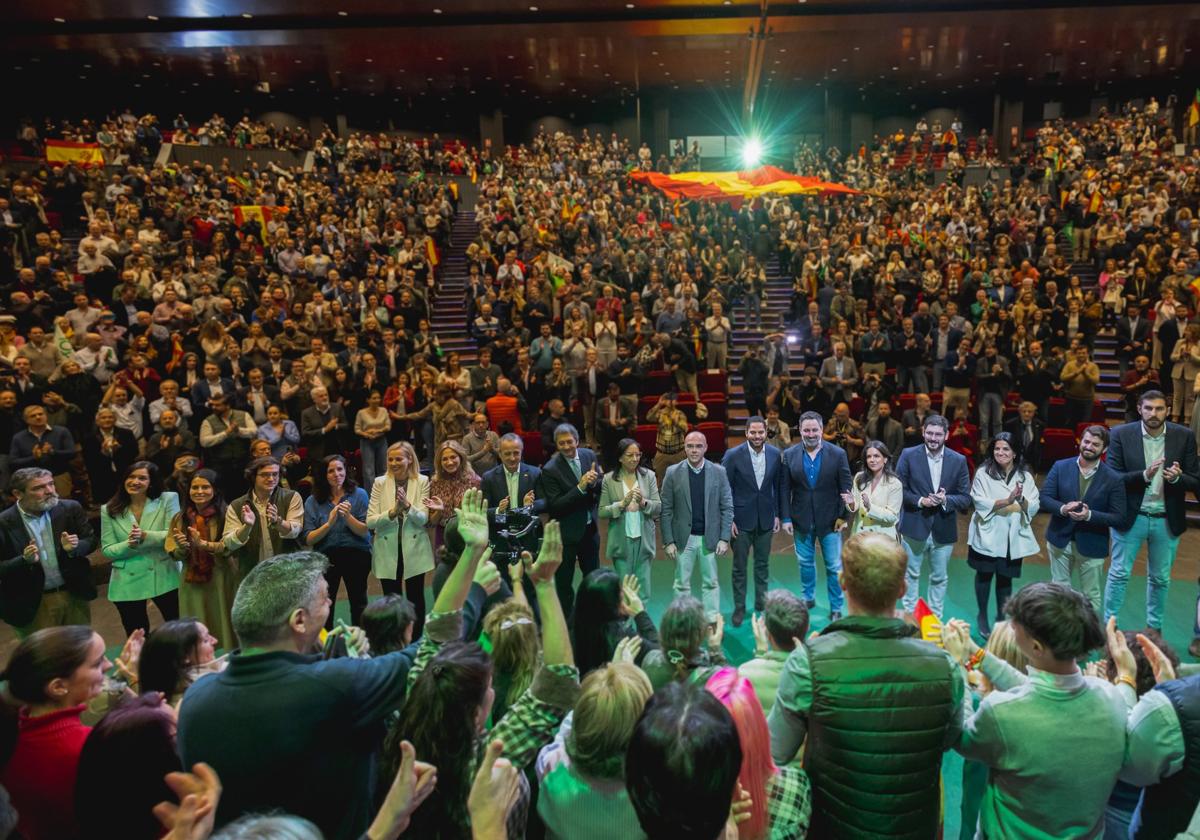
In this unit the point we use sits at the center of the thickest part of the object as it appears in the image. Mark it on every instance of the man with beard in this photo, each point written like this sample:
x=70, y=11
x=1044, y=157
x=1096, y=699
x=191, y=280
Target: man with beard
x=1158, y=460
x=45, y=576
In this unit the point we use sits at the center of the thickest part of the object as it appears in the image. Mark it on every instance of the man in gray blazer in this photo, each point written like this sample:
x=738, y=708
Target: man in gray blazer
x=697, y=520
x=839, y=375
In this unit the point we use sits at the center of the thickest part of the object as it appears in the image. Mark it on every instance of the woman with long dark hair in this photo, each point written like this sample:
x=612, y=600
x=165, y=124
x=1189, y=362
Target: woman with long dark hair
x=51, y=676
x=1000, y=534
x=335, y=524
x=176, y=655
x=876, y=494
x=608, y=610
x=133, y=532
x=209, y=578
x=629, y=497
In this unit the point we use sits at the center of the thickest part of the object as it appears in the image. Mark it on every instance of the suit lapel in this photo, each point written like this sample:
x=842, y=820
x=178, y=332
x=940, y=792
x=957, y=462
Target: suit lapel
x=1135, y=454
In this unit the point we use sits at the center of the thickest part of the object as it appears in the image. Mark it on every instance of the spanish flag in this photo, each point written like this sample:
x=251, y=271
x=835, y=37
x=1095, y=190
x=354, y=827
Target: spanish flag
x=256, y=213
x=431, y=253
x=930, y=624
x=1097, y=201
x=61, y=152
x=735, y=187
x=1193, y=112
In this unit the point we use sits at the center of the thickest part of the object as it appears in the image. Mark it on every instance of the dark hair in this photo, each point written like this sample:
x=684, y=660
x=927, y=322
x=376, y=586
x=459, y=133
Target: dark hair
x=1097, y=430
x=992, y=468
x=597, y=609
x=810, y=415
x=864, y=475
x=187, y=506
x=124, y=760
x=754, y=418
x=1145, y=669
x=320, y=479
x=384, y=620
x=119, y=502
x=251, y=471
x=1152, y=394
x=438, y=718
x=48, y=654
x=682, y=764
x=566, y=429
x=1057, y=616
x=622, y=446
x=167, y=655
x=786, y=618
x=935, y=420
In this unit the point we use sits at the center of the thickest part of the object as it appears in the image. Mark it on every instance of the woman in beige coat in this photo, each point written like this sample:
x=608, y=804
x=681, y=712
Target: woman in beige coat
x=398, y=516
x=876, y=493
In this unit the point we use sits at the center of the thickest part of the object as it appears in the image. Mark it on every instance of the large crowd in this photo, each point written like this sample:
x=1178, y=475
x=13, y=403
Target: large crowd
x=244, y=411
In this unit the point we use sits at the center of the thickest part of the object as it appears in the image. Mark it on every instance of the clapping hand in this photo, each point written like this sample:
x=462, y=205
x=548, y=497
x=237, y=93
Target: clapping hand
x=528, y=500
x=248, y=515
x=1164, y=671
x=1119, y=651
x=761, y=640
x=1172, y=472
x=136, y=535
x=31, y=553
x=472, y=519
x=848, y=499
x=631, y=599
x=550, y=556
x=198, y=792
x=414, y=781
x=181, y=539
x=69, y=542
x=493, y=793
x=127, y=662
x=627, y=650
x=435, y=503
x=272, y=513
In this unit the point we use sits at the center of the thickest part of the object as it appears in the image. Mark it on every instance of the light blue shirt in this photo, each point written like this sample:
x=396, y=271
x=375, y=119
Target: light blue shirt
x=38, y=526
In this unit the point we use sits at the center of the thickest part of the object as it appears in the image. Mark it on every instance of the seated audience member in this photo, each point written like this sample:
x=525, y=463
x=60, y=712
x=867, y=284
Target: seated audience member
x=780, y=800
x=779, y=628
x=275, y=706
x=690, y=647
x=51, y=675
x=1038, y=729
x=608, y=610
x=682, y=765
x=581, y=775
x=892, y=761
x=450, y=695
x=125, y=759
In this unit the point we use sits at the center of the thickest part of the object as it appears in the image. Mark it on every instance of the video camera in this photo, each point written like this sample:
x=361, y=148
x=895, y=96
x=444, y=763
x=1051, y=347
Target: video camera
x=517, y=530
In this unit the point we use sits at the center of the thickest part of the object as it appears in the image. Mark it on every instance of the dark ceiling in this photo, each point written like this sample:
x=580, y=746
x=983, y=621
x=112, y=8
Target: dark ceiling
x=587, y=51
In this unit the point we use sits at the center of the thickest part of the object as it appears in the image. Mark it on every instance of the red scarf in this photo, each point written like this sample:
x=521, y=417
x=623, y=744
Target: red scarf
x=199, y=565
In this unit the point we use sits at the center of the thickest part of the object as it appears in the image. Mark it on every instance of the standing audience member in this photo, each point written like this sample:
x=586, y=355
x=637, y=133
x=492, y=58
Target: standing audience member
x=265, y=521
x=629, y=499
x=209, y=581
x=335, y=524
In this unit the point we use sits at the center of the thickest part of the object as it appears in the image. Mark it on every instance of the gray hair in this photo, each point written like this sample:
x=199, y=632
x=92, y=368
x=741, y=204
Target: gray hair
x=269, y=827
x=513, y=437
x=566, y=429
x=21, y=478
x=272, y=591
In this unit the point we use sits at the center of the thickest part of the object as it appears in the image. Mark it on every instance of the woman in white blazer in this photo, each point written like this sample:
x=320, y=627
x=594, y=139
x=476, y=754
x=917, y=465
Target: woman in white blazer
x=629, y=497
x=398, y=515
x=876, y=495
x=1000, y=535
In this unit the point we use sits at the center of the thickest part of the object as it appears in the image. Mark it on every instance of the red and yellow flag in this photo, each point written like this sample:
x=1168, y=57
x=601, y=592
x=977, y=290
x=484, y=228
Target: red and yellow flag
x=256, y=212
x=62, y=152
x=735, y=187
x=431, y=253
x=1096, y=203
x=930, y=624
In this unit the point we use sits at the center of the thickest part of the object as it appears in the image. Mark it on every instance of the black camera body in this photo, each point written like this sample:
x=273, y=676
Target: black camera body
x=517, y=530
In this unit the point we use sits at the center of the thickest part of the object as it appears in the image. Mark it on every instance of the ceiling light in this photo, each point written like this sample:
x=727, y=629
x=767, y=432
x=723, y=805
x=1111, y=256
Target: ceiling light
x=628, y=5
x=533, y=8
x=343, y=14
x=151, y=17
x=437, y=11
x=60, y=20
x=247, y=15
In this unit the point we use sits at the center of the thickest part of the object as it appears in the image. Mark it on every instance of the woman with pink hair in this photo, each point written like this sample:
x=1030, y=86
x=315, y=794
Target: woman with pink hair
x=781, y=797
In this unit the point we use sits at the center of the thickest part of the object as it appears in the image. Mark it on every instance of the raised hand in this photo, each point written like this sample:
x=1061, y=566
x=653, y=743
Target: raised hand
x=529, y=499
x=631, y=600
x=198, y=793
x=127, y=662
x=1164, y=671
x=493, y=793
x=1121, y=655
x=248, y=515
x=550, y=557
x=414, y=781
x=488, y=576
x=472, y=519
x=758, y=625
x=31, y=553
x=627, y=650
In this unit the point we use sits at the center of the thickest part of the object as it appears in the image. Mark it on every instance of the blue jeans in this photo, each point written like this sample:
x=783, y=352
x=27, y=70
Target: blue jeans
x=831, y=553
x=913, y=380
x=939, y=559
x=374, y=459
x=1160, y=554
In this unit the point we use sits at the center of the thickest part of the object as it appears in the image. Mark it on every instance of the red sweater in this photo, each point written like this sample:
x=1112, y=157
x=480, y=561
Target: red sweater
x=40, y=778
x=500, y=408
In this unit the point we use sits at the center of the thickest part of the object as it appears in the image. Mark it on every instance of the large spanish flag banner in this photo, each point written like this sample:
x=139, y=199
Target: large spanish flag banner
x=61, y=152
x=736, y=186
x=256, y=212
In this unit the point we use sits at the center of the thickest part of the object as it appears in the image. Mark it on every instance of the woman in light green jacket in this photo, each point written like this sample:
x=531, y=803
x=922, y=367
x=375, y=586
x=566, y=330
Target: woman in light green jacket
x=629, y=497
x=133, y=527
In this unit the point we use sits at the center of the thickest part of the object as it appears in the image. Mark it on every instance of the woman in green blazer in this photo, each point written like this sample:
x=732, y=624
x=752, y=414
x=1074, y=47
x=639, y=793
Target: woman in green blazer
x=629, y=497
x=133, y=527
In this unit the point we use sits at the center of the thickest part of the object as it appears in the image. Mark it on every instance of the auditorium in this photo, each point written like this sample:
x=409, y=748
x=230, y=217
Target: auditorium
x=588, y=419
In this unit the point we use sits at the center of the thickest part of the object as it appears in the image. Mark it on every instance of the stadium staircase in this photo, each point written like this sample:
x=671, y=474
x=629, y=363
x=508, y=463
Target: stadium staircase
x=449, y=322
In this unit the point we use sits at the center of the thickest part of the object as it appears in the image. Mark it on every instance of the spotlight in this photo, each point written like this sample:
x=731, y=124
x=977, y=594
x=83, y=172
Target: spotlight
x=751, y=152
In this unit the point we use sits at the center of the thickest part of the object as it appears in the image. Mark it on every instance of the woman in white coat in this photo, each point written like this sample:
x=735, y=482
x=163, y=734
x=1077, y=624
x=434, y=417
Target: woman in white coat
x=398, y=515
x=1000, y=535
x=876, y=494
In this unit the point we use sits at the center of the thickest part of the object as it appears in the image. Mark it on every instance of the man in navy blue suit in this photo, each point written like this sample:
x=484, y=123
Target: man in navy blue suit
x=1084, y=497
x=936, y=487
x=570, y=484
x=756, y=477
x=816, y=473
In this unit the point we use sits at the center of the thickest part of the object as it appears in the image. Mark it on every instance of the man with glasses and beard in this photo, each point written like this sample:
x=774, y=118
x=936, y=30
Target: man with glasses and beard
x=45, y=576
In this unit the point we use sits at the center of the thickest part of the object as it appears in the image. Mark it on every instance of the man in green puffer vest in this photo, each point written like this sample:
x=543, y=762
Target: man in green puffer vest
x=879, y=706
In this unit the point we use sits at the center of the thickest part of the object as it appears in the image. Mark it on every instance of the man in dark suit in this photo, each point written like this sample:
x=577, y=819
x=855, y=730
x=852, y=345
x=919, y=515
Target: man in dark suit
x=570, y=484
x=511, y=484
x=1026, y=429
x=1158, y=460
x=212, y=383
x=755, y=472
x=1077, y=536
x=936, y=487
x=1133, y=337
x=257, y=396
x=45, y=576
x=816, y=474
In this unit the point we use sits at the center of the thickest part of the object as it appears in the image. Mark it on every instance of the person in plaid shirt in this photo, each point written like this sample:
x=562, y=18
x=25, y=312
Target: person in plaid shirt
x=450, y=693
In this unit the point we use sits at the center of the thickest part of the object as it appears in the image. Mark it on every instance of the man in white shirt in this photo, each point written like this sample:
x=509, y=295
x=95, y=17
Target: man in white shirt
x=97, y=358
x=169, y=397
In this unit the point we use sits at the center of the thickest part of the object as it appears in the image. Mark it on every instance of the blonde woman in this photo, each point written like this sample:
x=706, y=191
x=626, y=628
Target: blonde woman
x=397, y=516
x=876, y=494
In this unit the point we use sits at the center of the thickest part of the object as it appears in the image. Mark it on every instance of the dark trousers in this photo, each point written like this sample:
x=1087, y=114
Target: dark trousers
x=414, y=590
x=351, y=565
x=1078, y=411
x=585, y=552
x=760, y=542
x=134, y=615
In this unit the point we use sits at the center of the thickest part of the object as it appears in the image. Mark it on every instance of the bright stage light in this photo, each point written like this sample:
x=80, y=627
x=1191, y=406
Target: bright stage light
x=751, y=152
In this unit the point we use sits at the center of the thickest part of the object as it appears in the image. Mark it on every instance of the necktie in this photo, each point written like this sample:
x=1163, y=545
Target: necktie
x=1028, y=434
x=575, y=468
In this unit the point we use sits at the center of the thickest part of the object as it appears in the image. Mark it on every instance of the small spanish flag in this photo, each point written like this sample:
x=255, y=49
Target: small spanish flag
x=431, y=253
x=62, y=152
x=1097, y=202
x=930, y=624
x=258, y=213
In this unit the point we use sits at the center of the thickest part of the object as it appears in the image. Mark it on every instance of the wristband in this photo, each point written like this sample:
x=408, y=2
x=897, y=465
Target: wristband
x=975, y=659
x=1129, y=681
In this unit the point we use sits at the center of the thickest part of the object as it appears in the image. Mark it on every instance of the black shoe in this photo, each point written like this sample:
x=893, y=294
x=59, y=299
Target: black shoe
x=981, y=624
x=810, y=604
x=836, y=615
x=739, y=615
